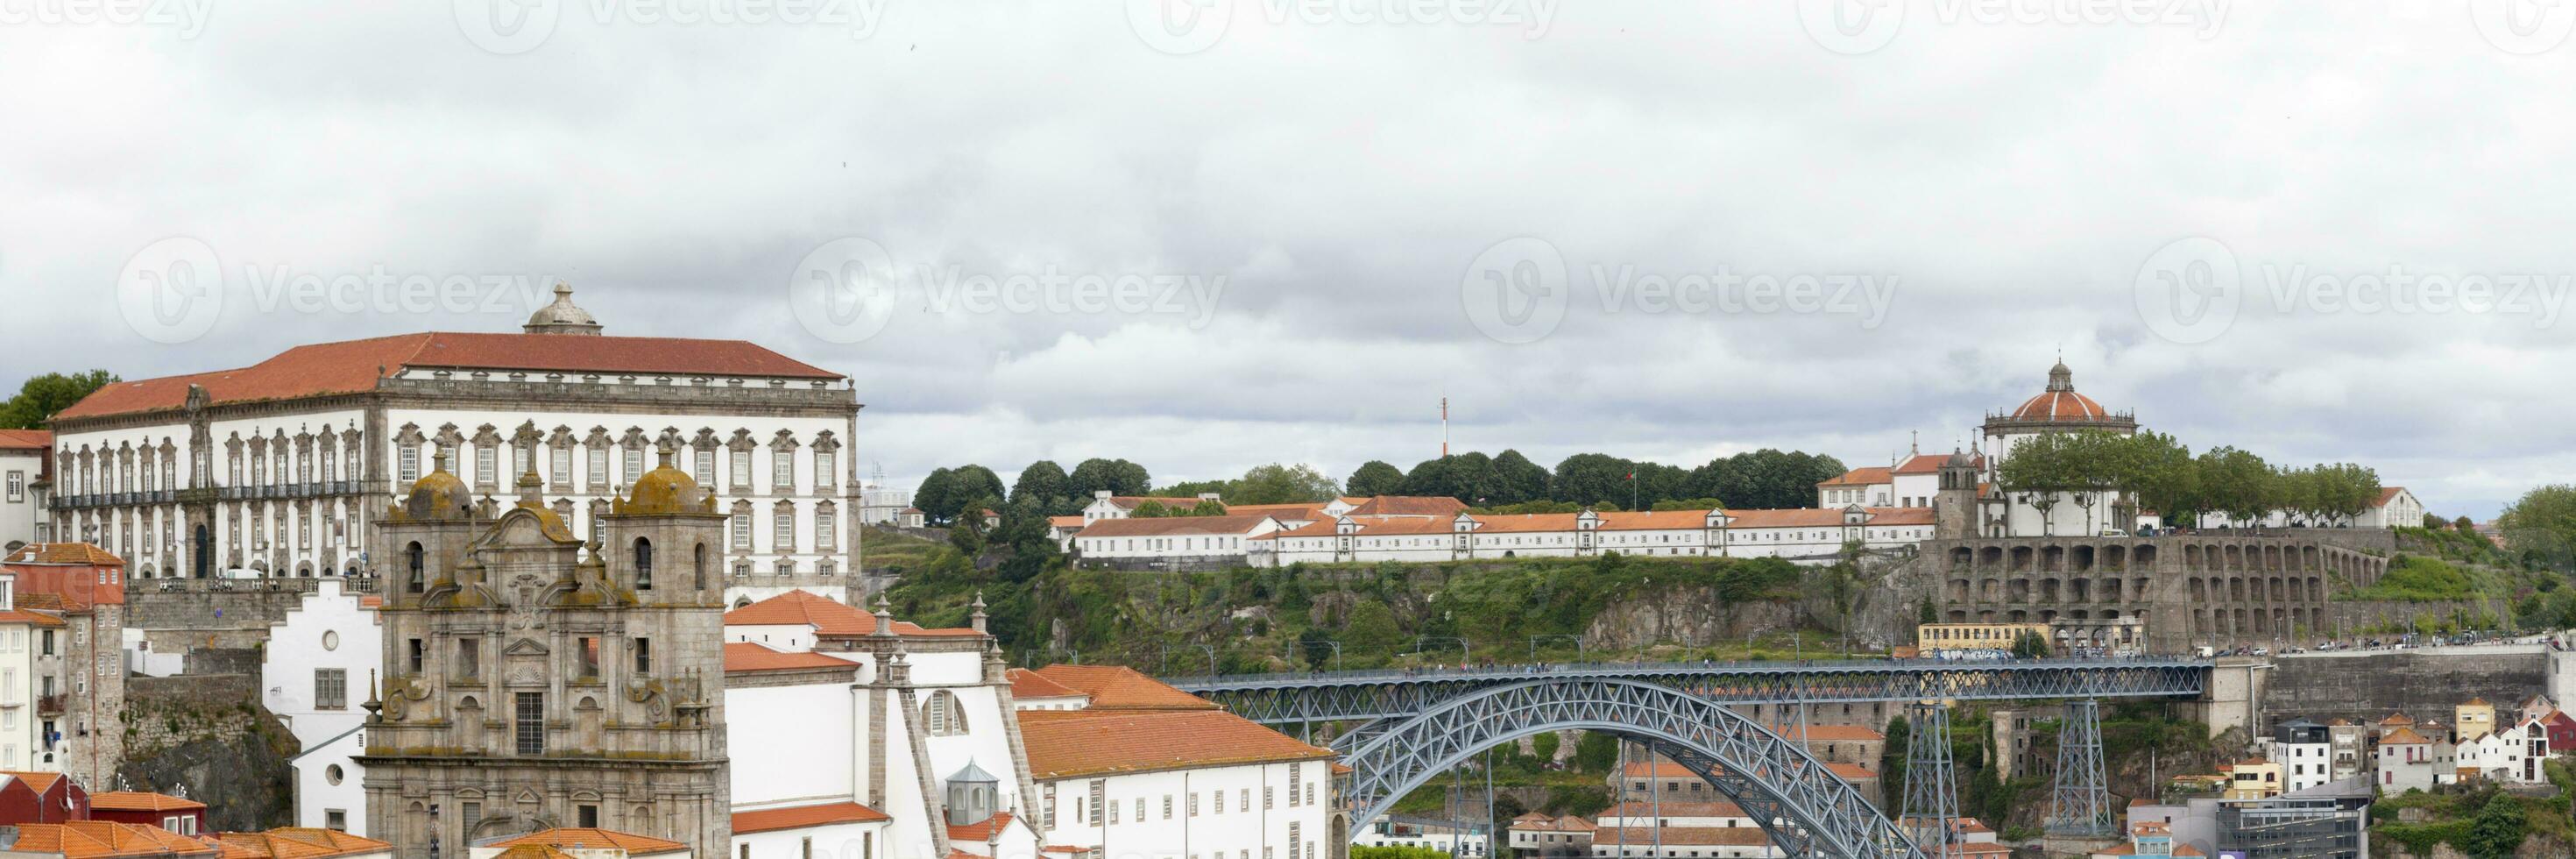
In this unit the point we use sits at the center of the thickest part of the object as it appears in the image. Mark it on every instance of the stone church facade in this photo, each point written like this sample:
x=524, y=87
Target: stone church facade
x=536, y=679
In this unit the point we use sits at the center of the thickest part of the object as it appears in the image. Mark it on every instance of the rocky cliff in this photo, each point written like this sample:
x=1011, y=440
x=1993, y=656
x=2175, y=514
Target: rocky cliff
x=206, y=735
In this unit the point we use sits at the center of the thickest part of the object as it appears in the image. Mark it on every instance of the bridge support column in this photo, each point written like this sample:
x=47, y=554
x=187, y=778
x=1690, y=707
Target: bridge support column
x=1931, y=810
x=2082, y=806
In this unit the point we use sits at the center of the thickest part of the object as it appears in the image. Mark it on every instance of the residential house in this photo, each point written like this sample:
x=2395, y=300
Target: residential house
x=1538, y=836
x=177, y=814
x=319, y=664
x=104, y=839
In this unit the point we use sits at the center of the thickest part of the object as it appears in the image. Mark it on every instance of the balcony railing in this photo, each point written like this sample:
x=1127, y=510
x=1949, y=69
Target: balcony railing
x=49, y=705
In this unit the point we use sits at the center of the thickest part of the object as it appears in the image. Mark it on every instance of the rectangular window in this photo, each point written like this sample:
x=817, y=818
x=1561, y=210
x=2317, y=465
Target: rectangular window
x=706, y=468
x=419, y=656
x=643, y=656
x=1167, y=806
x=487, y=465
x=1046, y=814
x=562, y=465
x=532, y=723
x=634, y=464
x=782, y=535
x=330, y=688
x=587, y=658
x=742, y=530
x=473, y=812
x=469, y=658
x=410, y=463
x=782, y=470
x=1098, y=787
x=741, y=467
x=824, y=472
x=336, y=820
x=598, y=468
x=826, y=530
x=588, y=815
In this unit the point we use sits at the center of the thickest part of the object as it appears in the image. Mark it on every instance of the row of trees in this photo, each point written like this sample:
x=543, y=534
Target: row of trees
x=2166, y=477
x=1763, y=479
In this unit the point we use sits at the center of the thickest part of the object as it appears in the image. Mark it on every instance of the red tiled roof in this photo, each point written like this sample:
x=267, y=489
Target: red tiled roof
x=29, y=617
x=26, y=439
x=977, y=832
x=828, y=617
x=569, y=837
x=1114, y=687
x=1865, y=476
x=1067, y=522
x=1411, y=505
x=1027, y=684
x=100, y=839
x=748, y=658
x=1072, y=743
x=1174, y=526
x=134, y=800
x=351, y=366
x=36, y=781
x=295, y=843
x=2388, y=494
x=2060, y=405
x=804, y=816
x=64, y=554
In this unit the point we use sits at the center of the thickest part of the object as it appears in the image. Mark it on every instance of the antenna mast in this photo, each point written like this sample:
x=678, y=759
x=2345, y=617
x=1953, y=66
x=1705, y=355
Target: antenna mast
x=1444, y=427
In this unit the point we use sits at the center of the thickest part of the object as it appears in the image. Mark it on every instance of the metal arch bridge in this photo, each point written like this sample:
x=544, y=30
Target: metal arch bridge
x=1396, y=695
x=1796, y=799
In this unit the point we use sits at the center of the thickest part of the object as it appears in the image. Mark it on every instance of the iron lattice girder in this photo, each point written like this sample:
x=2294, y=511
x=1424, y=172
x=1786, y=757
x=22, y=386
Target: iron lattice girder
x=1362, y=696
x=1805, y=808
x=2081, y=803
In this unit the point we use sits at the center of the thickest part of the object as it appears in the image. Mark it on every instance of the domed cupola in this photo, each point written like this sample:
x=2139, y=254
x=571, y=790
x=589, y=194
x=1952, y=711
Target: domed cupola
x=2060, y=402
x=665, y=490
x=438, y=495
x=562, y=317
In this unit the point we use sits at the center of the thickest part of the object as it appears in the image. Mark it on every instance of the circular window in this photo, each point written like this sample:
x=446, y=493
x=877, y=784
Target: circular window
x=331, y=774
x=331, y=641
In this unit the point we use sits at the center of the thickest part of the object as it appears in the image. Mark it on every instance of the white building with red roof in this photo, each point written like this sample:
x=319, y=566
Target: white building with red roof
x=1802, y=535
x=26, y=473
x=2056, y=409
x=270, y=469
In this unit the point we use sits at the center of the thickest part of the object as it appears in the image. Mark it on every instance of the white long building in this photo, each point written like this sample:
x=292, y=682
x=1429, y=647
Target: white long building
x=1806, y=535
x=275, y=469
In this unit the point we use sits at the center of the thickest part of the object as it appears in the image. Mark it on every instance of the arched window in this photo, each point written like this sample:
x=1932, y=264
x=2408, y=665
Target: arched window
x=643, y=564
x=698, y=567
x=413, y=562
x=942, y=715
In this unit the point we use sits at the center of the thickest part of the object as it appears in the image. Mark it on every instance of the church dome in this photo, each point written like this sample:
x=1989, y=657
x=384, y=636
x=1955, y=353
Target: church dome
x=2060, y=402
x=438, y=494
x=666, y=489
x=562, y=316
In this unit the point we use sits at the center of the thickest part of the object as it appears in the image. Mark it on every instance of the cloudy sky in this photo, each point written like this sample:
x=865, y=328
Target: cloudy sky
x=1208, y=237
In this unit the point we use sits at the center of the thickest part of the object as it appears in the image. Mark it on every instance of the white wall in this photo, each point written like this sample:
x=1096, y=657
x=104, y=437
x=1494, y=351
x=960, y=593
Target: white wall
x=837, y=841
x=330, y=630
x=1211, y=833
x=20, y=512
x=812, y=769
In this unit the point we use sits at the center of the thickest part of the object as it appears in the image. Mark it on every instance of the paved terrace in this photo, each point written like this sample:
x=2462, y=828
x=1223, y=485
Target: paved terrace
x=1401, y=693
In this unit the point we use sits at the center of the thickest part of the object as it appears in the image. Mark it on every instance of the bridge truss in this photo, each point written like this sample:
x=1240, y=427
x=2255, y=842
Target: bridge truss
x=1807, y=811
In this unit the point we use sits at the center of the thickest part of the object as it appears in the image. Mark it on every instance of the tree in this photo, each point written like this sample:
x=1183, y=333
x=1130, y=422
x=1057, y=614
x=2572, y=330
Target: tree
x=41, y=397
x=1118, y=476
x=2160, y=472
x=1596, y=752
x=2236, y=483
x=1316, y=646
x=2463, y=524
x=1192, y=489
x=1545, y=745
x=1045, y=483
x=1149, y=510
x=1375, y=477
x=1277, y=483
x=938, y=496
x=1591, y=478
x=977, y=486
x=1371, y=628
x=1023, y=537
x=2030, y=645
x=2498, y=829
x=1517, y=479
x=2542, y=525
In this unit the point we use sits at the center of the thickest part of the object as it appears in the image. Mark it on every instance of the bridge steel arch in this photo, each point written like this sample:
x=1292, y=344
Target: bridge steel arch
x=1772, y=779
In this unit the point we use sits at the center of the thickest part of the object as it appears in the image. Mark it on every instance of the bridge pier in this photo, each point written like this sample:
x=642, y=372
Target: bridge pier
x=2082, y=801
x=1930, y=813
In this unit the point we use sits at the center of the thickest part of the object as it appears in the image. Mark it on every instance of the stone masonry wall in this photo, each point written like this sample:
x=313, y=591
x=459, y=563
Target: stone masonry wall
x=206, y=736
x=2423, y=685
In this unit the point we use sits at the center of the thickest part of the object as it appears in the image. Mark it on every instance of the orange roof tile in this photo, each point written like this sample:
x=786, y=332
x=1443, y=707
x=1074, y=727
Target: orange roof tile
x=30, y=618
x=64, y=554
x=1441, y=506
x=1026, y=684
x=749, y=658
x=1071, y=743
x=100, y=839
x=804, y=816
x=1866, y=476
x=36, y=781
x=135, y=800
x=26, y=439
x=828, y=617
x=352, y=366
x=977, y=832
x=1073, y=523
x=1115, y=687
x=632, y=843
x=295, y=843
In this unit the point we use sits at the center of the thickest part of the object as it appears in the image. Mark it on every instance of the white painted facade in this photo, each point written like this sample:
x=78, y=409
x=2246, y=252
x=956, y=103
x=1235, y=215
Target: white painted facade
x=314, y=674
x=2510, y=756
x=21, y=740
x=22, y=502
x=2304, y=765
x=1278, y=808
x=1806, y=536
x=1173, y=537
x=1457, y=843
